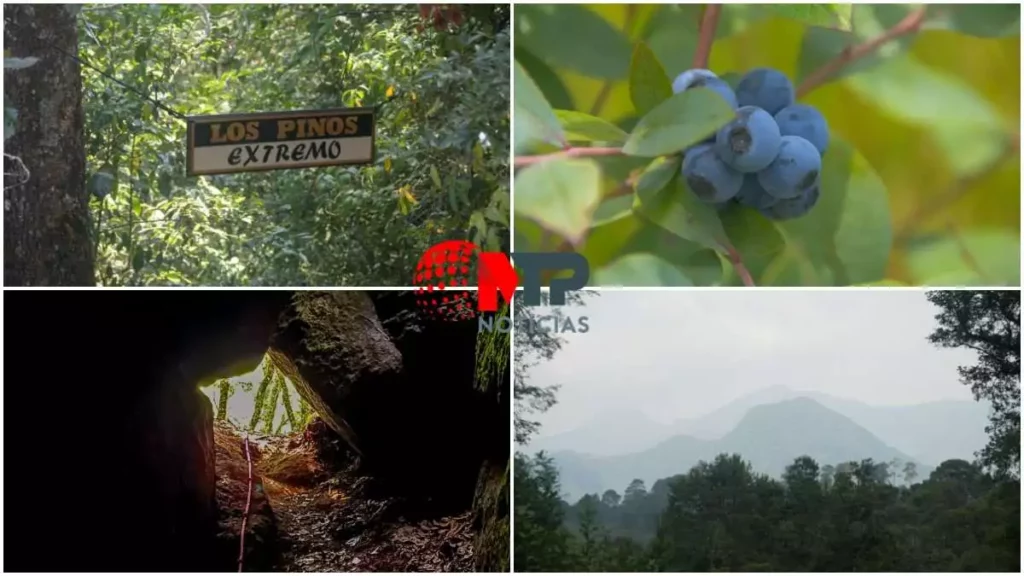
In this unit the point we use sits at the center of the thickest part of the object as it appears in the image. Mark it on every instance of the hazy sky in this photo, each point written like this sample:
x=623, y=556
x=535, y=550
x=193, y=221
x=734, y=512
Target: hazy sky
x=682, y=354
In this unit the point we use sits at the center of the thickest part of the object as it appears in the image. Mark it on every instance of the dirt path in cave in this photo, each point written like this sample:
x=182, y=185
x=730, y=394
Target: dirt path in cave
x=306, y=518
x=304, y=529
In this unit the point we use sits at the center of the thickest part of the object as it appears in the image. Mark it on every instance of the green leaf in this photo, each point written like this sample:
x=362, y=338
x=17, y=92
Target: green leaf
x=574, y=37
x=737, y=18
x=755, y=239
x=848, y=233
x=975, y=258
x=141, y=52
x=818, y=14
x=165, y=184
x=546, y=79
x=664, y=199
x=678, y=123
x=648, y=83
x=972, y=133
x=701, y=265
x=823, y=44
x=561, y=195
x=613, y=209
x=579, y=126
x=535, y=121
x=607, y=239
x=640, y=270
x=435, y=178
x=982, y=20
x=19, y=63
x=672, y=35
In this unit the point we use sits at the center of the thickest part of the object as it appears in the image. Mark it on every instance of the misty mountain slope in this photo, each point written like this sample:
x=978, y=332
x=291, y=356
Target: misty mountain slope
x=930, y=433
x=581, y=474
x=769, y=436
x=719, y=422
x=608, y=434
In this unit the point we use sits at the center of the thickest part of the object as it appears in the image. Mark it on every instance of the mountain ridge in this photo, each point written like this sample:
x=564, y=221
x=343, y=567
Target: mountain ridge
x=930, y=432
x=770, y=437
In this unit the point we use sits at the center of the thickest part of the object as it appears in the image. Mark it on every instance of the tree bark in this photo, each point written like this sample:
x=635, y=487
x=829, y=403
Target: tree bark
x=46, y=219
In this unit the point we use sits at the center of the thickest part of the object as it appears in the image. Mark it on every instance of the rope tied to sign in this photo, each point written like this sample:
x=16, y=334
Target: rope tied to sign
x=248, y=502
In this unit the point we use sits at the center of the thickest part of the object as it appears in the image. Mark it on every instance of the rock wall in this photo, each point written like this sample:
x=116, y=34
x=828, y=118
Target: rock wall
x=109, y=444
x=332, y=347
x=491, y=499
x=233, y=490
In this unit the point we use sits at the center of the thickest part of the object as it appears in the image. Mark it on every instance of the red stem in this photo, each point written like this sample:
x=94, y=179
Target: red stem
x=910, y=24
x=248, y=502
x=567, y=153
x=739, y=266
x=708, y=25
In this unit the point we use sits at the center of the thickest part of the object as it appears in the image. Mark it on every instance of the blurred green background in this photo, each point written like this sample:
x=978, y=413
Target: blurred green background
x=935, y=116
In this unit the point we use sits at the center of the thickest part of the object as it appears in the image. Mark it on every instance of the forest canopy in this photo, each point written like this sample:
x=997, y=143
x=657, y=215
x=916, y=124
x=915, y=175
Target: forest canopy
x=437, y=76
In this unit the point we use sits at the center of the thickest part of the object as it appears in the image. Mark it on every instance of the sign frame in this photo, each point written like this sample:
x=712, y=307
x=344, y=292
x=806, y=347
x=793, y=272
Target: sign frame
x=211, y=118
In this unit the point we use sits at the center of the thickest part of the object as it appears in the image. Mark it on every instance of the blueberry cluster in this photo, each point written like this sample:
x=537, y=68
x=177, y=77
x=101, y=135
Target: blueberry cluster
x=769, y=157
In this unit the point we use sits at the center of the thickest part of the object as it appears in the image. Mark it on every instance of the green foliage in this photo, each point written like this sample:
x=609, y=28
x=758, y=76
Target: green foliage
x=535, y=120
x=920, y=185
x=223, y=394
x=273, y=397
x=639, y=269
x=560, y=195
x=648, y=84
x=678, y=123
x=989, y=323
x=492, y=352
x=720, y=516
x=441, y=141
x=541, y=541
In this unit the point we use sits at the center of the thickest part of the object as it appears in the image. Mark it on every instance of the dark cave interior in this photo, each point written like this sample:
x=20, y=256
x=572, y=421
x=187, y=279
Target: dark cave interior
x=109, y=440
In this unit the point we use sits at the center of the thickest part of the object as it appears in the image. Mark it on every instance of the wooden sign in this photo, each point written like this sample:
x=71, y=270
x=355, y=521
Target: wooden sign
x=280, y=140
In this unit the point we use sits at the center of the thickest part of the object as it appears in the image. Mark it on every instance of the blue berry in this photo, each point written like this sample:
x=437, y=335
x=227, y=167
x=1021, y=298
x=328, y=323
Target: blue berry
x=722, y=88
x=750, y=142
x=806, y=122
x=698, y=78
x=752, y=194
x=708, y=177
x=765, y=88
x=686, y=79
x=794, y=171
x=793, y=207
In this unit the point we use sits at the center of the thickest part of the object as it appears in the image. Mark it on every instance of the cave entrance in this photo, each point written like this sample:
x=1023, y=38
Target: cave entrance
x=279, y=479
x=261, y=401
x=292, y=493
x=133, y=465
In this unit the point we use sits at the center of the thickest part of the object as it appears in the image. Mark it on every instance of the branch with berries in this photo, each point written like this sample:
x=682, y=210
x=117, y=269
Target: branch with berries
x=768, y=155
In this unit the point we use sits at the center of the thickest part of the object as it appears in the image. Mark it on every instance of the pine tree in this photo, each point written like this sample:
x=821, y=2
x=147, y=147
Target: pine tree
x=224, y=390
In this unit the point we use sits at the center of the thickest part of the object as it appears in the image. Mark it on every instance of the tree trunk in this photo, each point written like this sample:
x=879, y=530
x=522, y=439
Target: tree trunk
x=222, y=399
x=46, y=219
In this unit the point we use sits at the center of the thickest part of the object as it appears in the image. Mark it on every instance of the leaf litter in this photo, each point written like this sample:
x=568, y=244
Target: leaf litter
x=319, y=517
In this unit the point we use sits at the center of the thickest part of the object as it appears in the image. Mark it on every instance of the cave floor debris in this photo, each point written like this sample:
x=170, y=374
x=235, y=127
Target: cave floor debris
x=325, y=523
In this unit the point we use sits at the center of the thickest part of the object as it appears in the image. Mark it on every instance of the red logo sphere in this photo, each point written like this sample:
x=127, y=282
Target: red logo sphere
x=440, y=273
